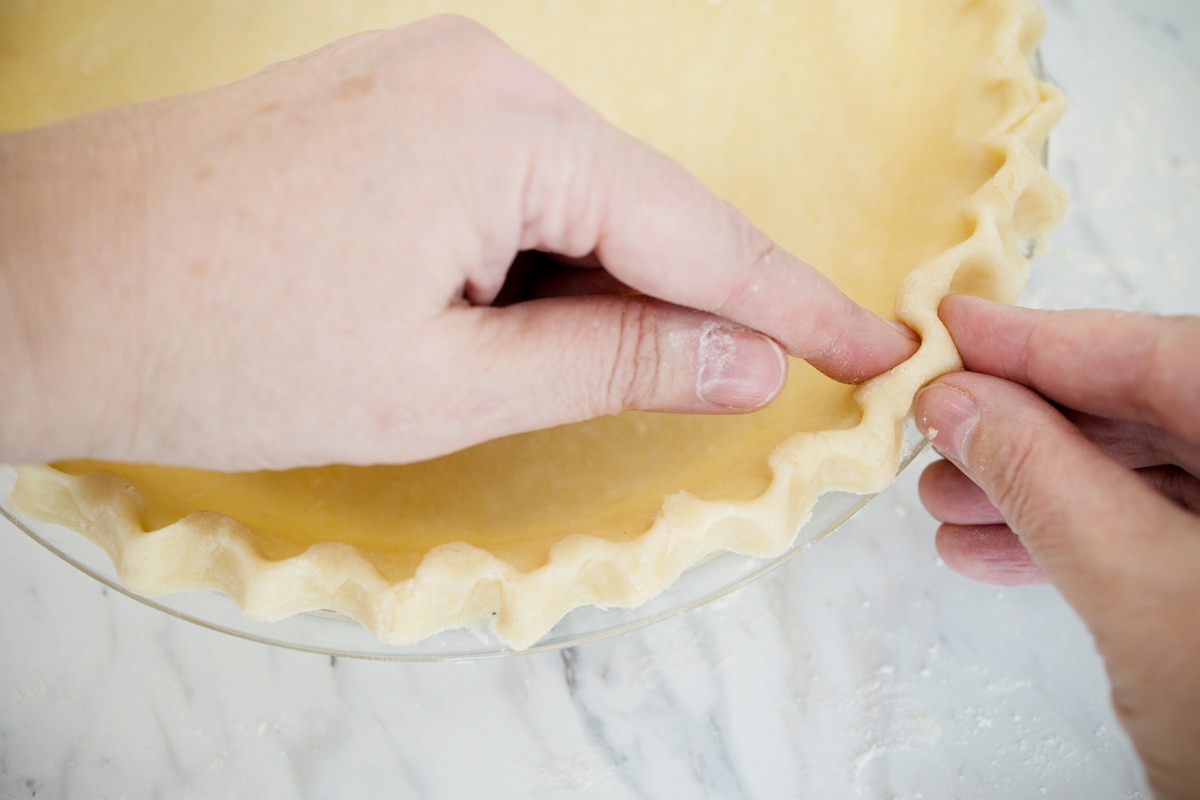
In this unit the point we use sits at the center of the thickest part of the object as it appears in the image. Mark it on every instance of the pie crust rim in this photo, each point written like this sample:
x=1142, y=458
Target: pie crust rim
x=458, y=585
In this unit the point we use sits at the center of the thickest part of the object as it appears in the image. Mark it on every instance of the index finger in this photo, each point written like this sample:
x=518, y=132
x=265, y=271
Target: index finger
x=660, y=231
x=1115, y=364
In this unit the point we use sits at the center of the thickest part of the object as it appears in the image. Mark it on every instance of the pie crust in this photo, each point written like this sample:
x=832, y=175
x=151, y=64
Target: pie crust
x=894, y=144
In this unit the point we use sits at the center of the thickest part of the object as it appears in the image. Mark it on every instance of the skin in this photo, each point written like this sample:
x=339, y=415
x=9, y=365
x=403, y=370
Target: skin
x=1073, y=449
x=413, y=241
x=307, y=267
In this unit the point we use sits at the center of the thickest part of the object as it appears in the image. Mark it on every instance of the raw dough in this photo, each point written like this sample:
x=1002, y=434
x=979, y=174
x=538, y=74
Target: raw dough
x=892, y=144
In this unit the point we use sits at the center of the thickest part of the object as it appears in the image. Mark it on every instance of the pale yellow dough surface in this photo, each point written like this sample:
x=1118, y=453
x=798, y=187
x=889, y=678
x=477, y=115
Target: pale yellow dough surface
x=891, y=144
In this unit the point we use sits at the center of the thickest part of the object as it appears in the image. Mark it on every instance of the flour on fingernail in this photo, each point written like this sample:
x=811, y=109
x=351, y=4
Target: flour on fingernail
x=737, y=368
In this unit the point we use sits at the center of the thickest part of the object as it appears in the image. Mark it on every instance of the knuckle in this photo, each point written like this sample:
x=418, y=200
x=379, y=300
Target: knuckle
x=457, y=26
x=1158, y=384
x=1147, y=374
x=758, y=253
x=1168, y=386
x=1013, y=476
x=459, y=57
x=562, y=210
x=633, y=356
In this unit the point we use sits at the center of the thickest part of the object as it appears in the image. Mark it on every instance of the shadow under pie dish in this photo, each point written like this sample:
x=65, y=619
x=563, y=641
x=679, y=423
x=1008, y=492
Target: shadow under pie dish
x=893, y=145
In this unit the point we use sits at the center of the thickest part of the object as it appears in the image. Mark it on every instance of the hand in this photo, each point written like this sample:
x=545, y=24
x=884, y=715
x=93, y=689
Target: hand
x=1074, y=449
x=301, y=268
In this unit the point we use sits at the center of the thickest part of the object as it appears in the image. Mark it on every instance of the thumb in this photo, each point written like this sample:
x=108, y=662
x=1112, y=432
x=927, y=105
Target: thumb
x=1123, y=556
x=568, y=359
x=1102, y=536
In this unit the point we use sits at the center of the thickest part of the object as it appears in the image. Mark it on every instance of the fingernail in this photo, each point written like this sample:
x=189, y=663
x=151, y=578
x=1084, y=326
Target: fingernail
x=908, y=332
x=947, y=416
x=738, y=368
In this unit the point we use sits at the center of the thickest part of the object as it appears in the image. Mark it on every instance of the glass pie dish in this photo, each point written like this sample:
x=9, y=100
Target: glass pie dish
x=333, y=633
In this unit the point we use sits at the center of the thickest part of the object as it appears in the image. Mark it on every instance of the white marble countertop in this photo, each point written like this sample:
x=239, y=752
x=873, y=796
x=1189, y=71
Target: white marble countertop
x=862, y=668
